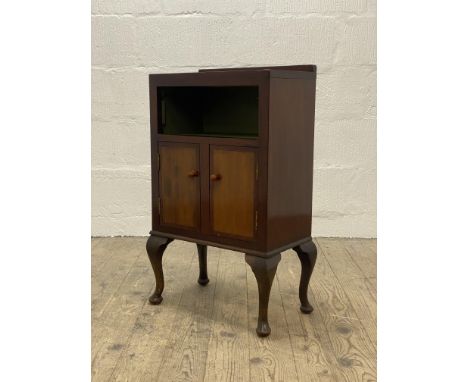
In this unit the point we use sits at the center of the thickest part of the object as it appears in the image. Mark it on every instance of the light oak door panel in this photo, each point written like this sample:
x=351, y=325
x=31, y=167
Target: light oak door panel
x=179, y=185
x=233, y=191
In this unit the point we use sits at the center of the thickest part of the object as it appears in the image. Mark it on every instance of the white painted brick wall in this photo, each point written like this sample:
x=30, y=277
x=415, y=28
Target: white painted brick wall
x=131, y=39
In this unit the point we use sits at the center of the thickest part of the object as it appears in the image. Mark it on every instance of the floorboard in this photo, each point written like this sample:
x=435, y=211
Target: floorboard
x=228, y=348
x=353, y=281
x=208, y=333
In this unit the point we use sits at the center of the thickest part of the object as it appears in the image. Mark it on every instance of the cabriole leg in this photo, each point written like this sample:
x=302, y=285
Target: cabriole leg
x=155, y=246
x=307, y=253
x=264, y=270
x=203, y=276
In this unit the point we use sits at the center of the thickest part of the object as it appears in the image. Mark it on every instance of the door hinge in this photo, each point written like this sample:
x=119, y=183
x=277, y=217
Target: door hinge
x=256, y=221
x=159, y=206
x=256, y=171
x=159, y=162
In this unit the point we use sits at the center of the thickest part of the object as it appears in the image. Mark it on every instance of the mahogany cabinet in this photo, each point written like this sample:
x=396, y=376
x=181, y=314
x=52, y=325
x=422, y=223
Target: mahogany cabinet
x=231, y=165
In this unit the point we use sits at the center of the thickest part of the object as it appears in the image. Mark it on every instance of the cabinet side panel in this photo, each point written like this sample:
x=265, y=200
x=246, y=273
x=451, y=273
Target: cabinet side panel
x=154, y=152
x=290, y=160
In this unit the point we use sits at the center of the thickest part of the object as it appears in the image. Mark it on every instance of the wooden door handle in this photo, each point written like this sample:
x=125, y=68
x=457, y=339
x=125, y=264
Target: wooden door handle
x=215, y=176
x=193, y=174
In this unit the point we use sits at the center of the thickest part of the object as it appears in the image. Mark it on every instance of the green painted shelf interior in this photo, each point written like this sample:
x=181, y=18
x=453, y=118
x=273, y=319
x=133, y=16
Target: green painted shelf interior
x=230, y=111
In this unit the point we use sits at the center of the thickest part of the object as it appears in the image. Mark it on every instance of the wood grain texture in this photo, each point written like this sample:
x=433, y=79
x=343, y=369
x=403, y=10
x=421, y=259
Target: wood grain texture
x=228, y=349
x=115, y=318
x=113, y=263
x=232, y=191
x=145, y=352
x=353, y=349
x=208, y=333
x=185, y=355
x=352, y=279
x=101, y=248
x=364, y=253
x=312, y=349
x=179, y=191
x=290, y=160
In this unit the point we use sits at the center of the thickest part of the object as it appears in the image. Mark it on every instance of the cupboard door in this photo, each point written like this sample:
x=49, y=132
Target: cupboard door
x=233, y=191
x=179, y=185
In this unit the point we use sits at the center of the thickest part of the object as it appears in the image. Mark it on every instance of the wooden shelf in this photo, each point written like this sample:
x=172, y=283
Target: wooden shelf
x=211, y=111
x=233, y=136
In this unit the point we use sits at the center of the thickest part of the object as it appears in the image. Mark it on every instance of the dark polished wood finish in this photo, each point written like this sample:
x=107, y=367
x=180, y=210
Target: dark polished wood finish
x=202, y=262
x=290, y=176
x=288, y=68
x=307, y=254
x=155, y=246
x=248, y=191
x=264, y=270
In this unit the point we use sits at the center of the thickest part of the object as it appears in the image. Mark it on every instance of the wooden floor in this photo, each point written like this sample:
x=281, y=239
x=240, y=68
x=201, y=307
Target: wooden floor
x=208, y=333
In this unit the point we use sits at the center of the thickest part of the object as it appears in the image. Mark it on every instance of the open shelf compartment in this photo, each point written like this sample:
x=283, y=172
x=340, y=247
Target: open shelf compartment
x=217, y=111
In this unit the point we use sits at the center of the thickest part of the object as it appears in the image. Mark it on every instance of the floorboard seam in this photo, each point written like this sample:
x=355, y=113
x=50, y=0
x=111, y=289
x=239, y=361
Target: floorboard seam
x=287, y=325
x=248, y=317
x=199, y=355
x=169, y=342
x=211, y=315
x=344, y=291
x=103, y=309
x=354, y=261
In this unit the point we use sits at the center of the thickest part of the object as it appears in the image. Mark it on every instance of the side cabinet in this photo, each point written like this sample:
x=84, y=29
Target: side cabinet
x=231, y=167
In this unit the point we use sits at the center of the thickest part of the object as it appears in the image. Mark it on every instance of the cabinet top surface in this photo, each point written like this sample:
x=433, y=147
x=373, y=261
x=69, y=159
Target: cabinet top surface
x=263, y=72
